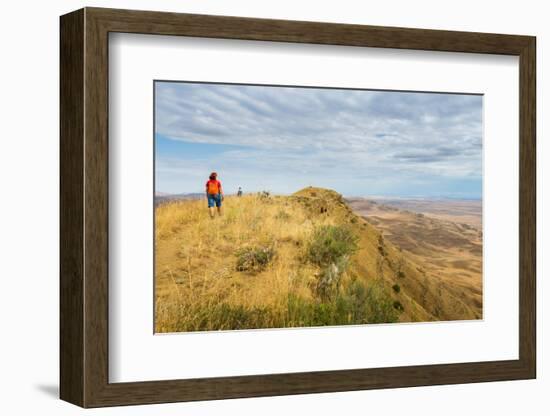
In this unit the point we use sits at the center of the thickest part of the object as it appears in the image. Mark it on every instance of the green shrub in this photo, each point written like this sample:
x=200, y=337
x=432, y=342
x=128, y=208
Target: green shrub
x=358, y=303
x=396, y=288
x=329, y=243
x=398, y=306
x=328, y=281
x=379, y=304
x=299, y=311
x=303, y=312
x=254, y=259
x=355, y=295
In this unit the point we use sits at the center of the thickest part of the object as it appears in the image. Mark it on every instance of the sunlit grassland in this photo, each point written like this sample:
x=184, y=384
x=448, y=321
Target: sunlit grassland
x=279, y=261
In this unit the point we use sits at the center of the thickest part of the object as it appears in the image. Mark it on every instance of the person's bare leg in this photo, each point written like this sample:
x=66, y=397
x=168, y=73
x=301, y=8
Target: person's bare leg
x=211, y=210
x=220, y=211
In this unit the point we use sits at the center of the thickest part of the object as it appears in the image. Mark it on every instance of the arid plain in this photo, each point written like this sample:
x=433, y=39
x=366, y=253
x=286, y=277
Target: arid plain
x=444, y=236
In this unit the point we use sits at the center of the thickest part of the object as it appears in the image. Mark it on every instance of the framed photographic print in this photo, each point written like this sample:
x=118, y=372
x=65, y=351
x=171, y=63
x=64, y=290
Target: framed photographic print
x=255, y=207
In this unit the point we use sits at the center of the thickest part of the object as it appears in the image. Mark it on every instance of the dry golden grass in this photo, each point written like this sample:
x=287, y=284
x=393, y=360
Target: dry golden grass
x=199, y=286
x=195, y=255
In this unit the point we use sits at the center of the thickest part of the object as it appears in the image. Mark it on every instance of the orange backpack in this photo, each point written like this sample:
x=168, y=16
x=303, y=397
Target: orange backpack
x=213, y=187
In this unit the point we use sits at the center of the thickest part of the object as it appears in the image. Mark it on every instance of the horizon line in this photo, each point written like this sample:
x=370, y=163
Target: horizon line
x=368, y=196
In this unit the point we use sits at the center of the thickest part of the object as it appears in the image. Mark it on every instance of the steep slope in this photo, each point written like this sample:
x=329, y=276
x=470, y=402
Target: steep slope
x=286, y=261
x=425, y=292
x=447, y=249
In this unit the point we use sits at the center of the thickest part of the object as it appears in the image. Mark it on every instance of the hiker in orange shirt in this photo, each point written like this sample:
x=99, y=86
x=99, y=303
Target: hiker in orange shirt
x=214, y=194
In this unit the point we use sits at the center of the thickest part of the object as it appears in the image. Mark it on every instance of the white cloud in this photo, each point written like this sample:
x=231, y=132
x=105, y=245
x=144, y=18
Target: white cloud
x=328, y=135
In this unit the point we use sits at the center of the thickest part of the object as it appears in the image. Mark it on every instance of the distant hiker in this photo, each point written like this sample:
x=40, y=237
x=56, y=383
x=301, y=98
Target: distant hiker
x=240, y=192
x=214, y=194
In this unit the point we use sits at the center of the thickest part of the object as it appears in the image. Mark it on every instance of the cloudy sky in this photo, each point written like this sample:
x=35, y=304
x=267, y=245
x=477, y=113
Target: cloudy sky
x=282, y=139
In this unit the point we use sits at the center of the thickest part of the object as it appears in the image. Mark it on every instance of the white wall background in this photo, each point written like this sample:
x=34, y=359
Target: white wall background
x=29, y=159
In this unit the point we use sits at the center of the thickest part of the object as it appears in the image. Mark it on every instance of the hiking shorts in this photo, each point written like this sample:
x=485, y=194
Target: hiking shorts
x=214, y=200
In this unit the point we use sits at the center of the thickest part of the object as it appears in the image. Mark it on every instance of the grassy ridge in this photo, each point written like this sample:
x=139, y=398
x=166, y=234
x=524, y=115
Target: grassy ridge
x=272, y=262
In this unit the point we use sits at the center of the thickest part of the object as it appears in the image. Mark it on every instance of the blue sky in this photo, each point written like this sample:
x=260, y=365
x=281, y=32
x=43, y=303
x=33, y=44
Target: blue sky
x=282, y=139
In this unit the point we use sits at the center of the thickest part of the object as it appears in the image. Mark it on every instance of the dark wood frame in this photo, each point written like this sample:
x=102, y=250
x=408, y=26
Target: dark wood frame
x=84, y=207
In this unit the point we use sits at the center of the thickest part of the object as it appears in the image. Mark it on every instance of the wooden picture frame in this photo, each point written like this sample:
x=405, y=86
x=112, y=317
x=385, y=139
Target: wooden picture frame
x=84, y=207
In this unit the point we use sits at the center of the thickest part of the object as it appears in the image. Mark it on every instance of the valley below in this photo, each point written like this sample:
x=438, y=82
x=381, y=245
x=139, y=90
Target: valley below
x=443, y=236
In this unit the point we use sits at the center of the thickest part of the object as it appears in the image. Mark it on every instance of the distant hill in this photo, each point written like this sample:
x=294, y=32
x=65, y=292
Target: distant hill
x=161, y=197
x=288, y=261
x=457, y=210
